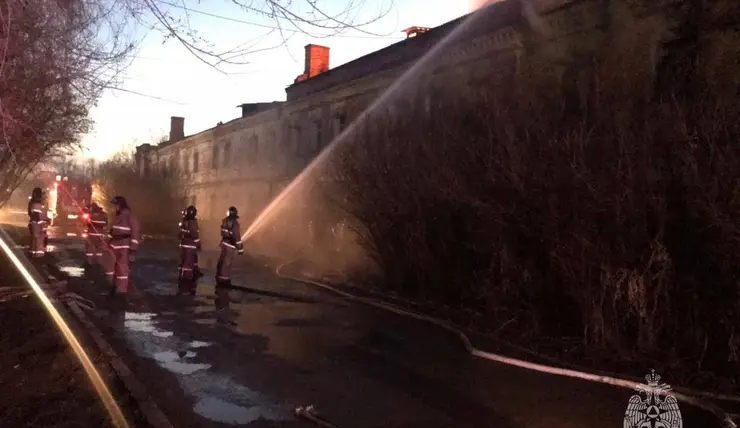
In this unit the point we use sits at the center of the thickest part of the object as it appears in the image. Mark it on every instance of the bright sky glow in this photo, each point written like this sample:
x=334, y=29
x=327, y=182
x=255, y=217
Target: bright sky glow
x=188, y=88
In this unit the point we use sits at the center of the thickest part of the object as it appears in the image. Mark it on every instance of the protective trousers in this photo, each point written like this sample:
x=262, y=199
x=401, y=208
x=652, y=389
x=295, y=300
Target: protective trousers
x=118, y=270
x=225, y=260
x=38, y=238
x=94, y=248
x=188, y=274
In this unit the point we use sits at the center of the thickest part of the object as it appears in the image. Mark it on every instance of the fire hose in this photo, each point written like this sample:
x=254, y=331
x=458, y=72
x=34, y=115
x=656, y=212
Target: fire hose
x=683, y=394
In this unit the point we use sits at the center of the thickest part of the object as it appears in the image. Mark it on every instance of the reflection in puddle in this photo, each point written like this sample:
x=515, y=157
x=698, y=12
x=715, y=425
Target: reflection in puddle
x=217, y=397
x=173, y=362
x=142, y=322
x=228, y=413
x=73, y=271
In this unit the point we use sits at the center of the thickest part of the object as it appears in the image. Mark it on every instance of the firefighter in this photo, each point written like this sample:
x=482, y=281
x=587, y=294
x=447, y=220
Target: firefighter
x=37, y=224
x=231, y=242
x=97, y=220
x=188, y=271
x=123, y=242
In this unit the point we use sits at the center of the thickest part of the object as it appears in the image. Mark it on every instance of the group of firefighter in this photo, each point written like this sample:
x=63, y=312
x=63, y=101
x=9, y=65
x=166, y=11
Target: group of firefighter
x=113, y=248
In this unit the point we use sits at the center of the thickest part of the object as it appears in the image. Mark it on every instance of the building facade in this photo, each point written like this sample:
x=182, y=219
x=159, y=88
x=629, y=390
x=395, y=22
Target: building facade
x=247, y=162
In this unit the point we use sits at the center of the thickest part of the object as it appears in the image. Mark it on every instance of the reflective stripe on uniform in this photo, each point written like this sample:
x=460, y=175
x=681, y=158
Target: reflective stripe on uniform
x=188, y=246
x=119, y=247
x=227, y=244
x=121, y=227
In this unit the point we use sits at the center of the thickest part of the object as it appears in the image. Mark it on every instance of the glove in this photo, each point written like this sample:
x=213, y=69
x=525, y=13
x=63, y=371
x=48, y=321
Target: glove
x=131, y=257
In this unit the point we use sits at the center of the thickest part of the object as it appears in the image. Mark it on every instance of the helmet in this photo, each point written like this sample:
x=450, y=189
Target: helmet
x=190, y=212
x=37, y=193
x=233, y=213
x=119, y=202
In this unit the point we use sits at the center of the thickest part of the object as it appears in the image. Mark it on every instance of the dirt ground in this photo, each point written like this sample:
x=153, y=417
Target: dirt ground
x=42, y=384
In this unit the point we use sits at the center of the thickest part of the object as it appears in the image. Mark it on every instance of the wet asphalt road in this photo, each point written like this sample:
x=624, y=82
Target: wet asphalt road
x=358, y=366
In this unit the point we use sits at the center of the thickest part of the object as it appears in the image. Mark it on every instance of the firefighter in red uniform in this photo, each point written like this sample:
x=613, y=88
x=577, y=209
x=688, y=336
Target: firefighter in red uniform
x=95, y=245
x=188, y=272
x=124, y=241
x=231, y=243
x=37, y=224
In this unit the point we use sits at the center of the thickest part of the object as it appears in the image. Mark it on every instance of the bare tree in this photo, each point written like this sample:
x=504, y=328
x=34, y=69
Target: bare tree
x=287, y=18
x=56, y=58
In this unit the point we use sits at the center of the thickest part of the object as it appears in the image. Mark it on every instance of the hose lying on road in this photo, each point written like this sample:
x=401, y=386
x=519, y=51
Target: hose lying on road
x=309, y=413
x=684, y=396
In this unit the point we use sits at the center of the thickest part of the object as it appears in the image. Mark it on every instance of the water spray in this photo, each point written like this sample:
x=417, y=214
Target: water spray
x=114, y=410
x=326, y=152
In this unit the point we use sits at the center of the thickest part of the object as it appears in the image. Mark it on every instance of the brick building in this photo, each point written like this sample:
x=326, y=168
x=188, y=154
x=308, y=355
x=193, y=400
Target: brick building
x=249, y=160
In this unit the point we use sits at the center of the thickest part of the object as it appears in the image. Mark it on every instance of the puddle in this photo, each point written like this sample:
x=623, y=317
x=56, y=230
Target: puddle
x=73, y=271
x=142, y=322
x=228, y=413
x=173, y=362
x=162, y=289
x=217, y=397
x=202, y=309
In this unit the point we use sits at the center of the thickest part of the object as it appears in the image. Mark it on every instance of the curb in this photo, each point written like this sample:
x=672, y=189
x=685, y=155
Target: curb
x=154, y=417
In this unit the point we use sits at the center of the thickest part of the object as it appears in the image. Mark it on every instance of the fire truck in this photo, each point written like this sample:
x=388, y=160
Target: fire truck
x=66, y=201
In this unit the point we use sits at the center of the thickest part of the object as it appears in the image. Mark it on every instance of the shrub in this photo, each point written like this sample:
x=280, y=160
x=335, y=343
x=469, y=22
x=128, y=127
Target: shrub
x=606, y=208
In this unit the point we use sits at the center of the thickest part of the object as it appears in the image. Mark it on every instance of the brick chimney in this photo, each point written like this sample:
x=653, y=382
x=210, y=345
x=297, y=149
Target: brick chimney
x=177, y=128
x=415, y=31
x=317, y=62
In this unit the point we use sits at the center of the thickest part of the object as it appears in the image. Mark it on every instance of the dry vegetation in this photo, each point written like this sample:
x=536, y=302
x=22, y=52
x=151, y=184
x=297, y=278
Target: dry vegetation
x=605, y=207
x=157, y=199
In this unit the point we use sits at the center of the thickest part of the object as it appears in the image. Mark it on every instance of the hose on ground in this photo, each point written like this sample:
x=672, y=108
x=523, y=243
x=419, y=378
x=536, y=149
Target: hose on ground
x=686, y=395
x=309, y=413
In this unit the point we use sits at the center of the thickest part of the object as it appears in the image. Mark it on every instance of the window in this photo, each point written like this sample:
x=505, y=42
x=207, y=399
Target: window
x=297, y=140
x=196, y=161
x=214, y=157
x=271, y=147
x=318, y=138
x=339, y=123
x=194, y=200
x=212, y=208
x=252, y=149
x=227, y=153
x=184, y=162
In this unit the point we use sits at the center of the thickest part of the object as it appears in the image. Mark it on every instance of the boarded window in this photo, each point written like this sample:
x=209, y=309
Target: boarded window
x=227, y=153
x=252, y=149
x=214, y=157
x=196, y=161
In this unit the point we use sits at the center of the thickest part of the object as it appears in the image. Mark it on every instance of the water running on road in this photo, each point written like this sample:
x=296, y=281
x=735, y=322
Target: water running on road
x=217, y=397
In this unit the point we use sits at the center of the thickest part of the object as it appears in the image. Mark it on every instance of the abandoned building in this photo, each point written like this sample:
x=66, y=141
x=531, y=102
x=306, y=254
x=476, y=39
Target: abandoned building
x=247, y=161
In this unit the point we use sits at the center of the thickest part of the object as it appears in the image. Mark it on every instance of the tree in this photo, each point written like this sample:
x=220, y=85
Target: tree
x=56, y=58
x=311, y=17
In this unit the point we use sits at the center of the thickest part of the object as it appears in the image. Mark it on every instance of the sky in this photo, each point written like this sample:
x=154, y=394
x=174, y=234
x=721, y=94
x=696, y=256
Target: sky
x=170, y=81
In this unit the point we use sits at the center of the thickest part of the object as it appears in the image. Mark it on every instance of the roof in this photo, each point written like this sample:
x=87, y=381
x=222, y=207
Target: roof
x=490, y=19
